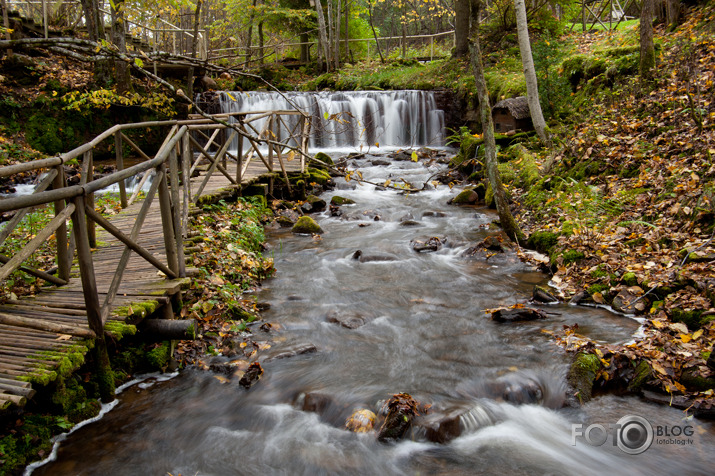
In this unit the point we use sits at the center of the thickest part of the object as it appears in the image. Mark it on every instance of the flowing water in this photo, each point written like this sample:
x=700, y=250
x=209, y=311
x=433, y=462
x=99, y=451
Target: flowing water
x=425, y=333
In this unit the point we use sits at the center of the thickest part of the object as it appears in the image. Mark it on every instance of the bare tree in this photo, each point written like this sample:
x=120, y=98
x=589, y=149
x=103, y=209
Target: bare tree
x=508, y=223
x=323, y=49
x=527, y=60
x=647, y=61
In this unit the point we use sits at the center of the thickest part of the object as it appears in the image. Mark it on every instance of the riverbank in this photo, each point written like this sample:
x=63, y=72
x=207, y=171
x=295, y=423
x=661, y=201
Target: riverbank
x=624, y=208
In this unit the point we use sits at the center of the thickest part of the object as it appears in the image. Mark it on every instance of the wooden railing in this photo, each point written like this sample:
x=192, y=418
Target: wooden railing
x=188, y=143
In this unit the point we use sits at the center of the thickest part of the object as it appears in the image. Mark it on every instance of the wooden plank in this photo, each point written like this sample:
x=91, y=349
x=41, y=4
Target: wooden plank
x=46, y=326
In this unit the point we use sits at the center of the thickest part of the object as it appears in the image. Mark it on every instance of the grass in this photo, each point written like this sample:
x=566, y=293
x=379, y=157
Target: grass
x=624, y=25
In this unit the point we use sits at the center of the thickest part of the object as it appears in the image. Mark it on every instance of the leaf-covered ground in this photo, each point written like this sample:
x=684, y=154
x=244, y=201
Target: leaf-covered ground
x=625, y=208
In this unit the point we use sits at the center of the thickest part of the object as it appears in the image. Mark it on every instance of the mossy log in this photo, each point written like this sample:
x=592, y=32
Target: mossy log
x=158, y=330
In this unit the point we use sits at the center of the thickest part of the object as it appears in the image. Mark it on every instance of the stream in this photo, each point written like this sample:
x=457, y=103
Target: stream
x=425, y=333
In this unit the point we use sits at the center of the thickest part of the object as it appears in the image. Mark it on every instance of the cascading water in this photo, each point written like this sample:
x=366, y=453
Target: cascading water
x=425, y=332
x=353, y=120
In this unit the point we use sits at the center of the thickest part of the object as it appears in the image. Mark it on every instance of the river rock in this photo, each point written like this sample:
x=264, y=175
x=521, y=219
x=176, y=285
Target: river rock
x=363, y=258
x=434, y=214
x=517, y=314
x=402, y=155
x=306, y=226
x=349, y=320
x=313, y=204
x=291, y=350
x=442, y=426
x=340, y=201
x=252, y=375
x=543, y=295
x=361, y=421
x=410, y=223
x=379, y=163
x=430, y=245
x=315, y=402
x=628, y=301
x=465, y=197
x=401, y=410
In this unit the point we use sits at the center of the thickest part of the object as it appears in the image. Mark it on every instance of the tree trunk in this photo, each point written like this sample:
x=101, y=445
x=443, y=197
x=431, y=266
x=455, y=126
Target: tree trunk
x=6, y=24
x=532, y=88
x=347, y=36
x=249, y=39
x=304, y=48
x=647, y=61
x=461, y=27
x=121, y=70
x=95, y=32
x=261, y=53
x=331, y=35
x=374, y=34
x=194, y=44
x=336, y=53
x=508, y=223
x=404, y=31
x=322, y=36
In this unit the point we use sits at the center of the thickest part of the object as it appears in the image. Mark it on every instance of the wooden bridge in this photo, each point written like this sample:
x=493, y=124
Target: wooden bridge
x=137, y=258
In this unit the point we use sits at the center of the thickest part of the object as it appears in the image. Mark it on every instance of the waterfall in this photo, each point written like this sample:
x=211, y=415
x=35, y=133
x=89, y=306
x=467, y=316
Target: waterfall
x=352, y=120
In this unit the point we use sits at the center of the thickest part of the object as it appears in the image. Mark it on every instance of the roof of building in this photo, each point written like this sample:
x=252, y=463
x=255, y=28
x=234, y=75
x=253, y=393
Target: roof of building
x=518, y=107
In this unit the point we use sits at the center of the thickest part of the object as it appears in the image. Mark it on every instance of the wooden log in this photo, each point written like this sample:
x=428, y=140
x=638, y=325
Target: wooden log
x=157, y=330
x=63, y=251
x=176, y=209
x=36, y=272
x=16, y=390
x=16, y=399
x=167, y=222
x=9, y=319
x=15, y=220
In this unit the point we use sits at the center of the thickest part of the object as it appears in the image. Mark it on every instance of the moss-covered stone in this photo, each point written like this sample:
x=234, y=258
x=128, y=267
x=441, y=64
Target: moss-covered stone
x=466, y=197
x=339, y=201
x=582, y=375
x=598, y=288
x=322, y=161
x=693, y=319
x=641, y=375
x=320, y=177
x=306, y=225
x=120, y=329
x=696, y=382
x=542, y=241
x=158, y=357
x=572, y=256
x=630, y=279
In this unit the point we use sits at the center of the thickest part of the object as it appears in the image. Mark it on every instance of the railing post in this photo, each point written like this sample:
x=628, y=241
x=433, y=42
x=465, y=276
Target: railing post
x=239, y=152
x=91, y=300
x=120, y=166
x=176, y=208
x=186, y=179
x=271, y=135
x=167, y=223
x=63, y=261
x=88, y=176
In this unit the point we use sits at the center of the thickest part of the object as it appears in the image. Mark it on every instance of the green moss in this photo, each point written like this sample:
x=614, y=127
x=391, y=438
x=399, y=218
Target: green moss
x=692, y=319
x=641, y=375
x=582, y=375
x=158, y=357
x=120, y=329
x=630, y=279
x=542, y=241
x=597, y=288
x=696, y=382
x=138, y=310
x=320, y=177
x=599, y=272
x=325, y=161
x=465, y=197
x=39, y=376
x=572, y=256
x=306, y=225
x=489, y=197
x=340, y=201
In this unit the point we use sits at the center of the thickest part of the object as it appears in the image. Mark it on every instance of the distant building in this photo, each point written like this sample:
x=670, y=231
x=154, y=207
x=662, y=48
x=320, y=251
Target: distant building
x=512, y=114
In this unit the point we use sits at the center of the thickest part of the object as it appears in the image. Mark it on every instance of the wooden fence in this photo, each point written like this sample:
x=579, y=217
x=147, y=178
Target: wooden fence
x=188, y=144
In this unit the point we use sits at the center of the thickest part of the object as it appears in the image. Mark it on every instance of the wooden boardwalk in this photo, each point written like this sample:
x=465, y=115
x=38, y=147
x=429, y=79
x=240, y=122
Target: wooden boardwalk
x=30, y=357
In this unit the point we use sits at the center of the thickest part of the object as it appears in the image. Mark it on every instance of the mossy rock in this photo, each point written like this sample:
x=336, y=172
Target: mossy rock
x=468, y=196
x=572, y=256
x=696, y=382
x=322, y=161
x=318, y=176
x=582, y=375
x=692, y=319
x=641, y=375
x=598, y=288
x=339, y=201
x=542, y=241
x=315, y=204
x=306, y=225
x=630, y=279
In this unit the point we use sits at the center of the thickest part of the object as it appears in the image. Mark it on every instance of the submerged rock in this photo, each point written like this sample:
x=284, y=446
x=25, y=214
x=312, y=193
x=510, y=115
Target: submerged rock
x=629, y=301
x=284, y=352
x=348, y=320
x=517, y=314
x=542, y=295
x=401, y=410
x=252, y=375
x=307, y=226
x=361, y=421
x=340, y=201
x=430, y=245
x=363, y=258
